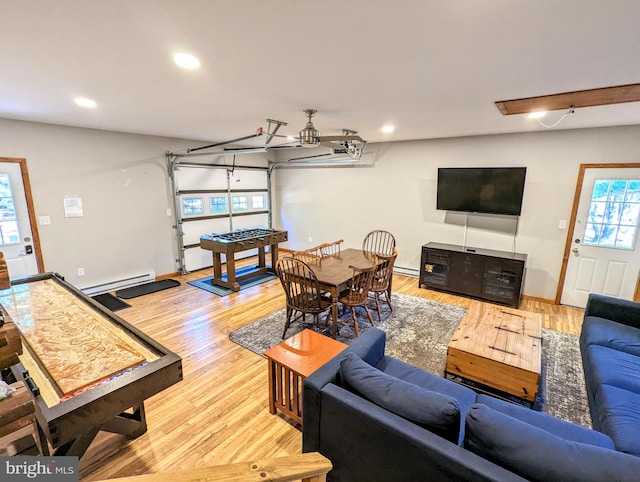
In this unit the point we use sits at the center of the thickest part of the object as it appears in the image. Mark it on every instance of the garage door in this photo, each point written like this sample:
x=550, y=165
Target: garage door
x=217, y=200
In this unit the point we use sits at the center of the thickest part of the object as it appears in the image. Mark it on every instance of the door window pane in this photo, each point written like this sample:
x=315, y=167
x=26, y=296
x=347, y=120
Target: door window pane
x=240, y=203
x=192, y=206
x=258, y=201
x=218, y=204
x=614, y=212
x=9, y=232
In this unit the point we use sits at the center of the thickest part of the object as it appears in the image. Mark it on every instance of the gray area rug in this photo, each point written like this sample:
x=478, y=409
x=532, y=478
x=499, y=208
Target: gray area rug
x=418, y=332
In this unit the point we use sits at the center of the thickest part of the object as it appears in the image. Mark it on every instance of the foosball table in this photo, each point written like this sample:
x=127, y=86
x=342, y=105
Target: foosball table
x=241, y=240
x=86, y=369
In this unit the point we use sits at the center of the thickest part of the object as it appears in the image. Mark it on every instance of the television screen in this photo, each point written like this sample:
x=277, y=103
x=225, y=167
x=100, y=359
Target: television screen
x=492, y=190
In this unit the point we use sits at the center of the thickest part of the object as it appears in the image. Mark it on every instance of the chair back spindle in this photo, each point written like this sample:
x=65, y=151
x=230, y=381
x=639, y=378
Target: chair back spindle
x=379, y=242
x=331, y=249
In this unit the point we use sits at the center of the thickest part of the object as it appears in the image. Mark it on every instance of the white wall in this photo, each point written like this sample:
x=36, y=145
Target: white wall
x=123, y=182
x=397, y=192
x=125, y=189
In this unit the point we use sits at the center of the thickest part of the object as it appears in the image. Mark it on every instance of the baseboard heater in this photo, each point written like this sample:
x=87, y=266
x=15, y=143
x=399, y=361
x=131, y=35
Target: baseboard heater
x=119, y=284
x=406, y=271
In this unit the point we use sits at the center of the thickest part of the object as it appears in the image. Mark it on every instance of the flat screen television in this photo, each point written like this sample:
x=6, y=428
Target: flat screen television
x=491, y=190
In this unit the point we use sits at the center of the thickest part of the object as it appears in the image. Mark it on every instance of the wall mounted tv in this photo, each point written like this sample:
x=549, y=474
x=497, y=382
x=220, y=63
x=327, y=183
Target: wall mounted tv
x=491, y=190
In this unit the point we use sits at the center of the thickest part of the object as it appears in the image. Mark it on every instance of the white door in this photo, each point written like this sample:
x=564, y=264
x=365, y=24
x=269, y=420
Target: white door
x=16, y=238
x=605, y=253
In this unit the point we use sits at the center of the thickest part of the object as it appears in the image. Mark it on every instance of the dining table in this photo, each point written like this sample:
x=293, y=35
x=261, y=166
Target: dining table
x=334, y=276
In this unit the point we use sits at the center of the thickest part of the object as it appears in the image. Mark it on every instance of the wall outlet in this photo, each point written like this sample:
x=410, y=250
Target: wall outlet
x=168, y=211
x=43, y=220
x=80, y=271
x=310, y=239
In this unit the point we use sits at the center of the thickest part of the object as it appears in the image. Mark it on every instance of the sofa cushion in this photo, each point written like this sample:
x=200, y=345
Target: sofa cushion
x=561, y=428
x=540, y=455
x=409, y=373
x=619, y=417
x=604, y=365
x=437, y=412
x=599, y=331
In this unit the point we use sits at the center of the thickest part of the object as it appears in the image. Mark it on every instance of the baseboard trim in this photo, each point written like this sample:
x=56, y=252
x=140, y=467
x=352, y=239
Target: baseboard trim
x=540, y=299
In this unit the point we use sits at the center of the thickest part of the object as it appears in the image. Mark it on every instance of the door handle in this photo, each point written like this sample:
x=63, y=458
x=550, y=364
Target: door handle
x=575, y=251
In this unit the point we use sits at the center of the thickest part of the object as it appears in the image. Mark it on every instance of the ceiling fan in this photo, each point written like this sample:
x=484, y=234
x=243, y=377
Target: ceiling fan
x=349, y=144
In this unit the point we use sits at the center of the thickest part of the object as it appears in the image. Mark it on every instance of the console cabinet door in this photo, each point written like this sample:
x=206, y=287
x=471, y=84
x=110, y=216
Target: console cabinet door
x=502, y=280
x=434, y=271
x=466, y=273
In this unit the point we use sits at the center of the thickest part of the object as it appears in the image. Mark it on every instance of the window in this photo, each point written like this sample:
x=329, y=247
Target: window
x=240, y=203
x=9, y=232
x=258, y=202
x=218, y=204
x=612, y=221
x=192, y=205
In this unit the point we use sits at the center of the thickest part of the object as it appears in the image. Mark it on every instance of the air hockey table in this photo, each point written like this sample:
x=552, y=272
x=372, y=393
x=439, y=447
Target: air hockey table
x=86, y=368
x=241, y=240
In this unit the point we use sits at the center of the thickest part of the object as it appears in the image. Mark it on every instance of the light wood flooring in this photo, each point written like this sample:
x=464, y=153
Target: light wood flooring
x=219, y=413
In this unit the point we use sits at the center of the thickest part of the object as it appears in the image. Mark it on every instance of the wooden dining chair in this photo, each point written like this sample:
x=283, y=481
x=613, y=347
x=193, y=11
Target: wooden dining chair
x=379, y=242
x=382, y=280
x=309, y=256
x=302, y=290
x=358, y=292
x=331, y=249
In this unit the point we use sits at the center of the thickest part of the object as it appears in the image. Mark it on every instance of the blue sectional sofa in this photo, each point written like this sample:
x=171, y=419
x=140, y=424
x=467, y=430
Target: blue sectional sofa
x=379, y=419
x=610, y=347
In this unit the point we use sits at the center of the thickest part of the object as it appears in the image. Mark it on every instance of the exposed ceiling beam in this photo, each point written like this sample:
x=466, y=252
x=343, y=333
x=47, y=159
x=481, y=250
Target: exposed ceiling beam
x=581, y=98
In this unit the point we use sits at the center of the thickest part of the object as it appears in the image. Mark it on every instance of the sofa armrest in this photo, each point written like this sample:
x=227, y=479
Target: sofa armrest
x=370, y=347
x=614, y=309
x=366, y=442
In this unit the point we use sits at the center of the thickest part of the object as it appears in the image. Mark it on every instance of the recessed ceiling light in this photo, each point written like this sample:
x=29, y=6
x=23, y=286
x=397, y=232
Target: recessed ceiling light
x=538, y=114
x=186, y=61
x=84, y=102
x=388, y=129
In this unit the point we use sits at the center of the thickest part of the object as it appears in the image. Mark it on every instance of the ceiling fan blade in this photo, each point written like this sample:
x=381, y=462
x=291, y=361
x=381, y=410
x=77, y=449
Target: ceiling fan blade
x=332, y=145
x=340, y=138
x=284, y=146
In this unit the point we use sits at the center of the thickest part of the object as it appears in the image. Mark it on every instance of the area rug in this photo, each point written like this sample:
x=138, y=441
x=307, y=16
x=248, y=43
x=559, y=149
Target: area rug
x=205, y=283
x=147, y=288
x=418, y=332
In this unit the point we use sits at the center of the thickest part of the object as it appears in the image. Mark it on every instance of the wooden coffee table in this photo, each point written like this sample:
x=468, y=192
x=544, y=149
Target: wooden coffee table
x=290, y=362
x=499, y=348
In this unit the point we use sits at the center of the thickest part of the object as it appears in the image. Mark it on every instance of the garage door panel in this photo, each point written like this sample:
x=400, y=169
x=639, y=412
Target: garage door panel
x=197, y=258
x=194, y=229
x=199, y=178
x=251, y=221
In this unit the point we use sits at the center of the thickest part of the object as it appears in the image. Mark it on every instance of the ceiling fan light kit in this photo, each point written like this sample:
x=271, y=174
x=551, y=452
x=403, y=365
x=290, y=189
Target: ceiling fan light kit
x=309, y=135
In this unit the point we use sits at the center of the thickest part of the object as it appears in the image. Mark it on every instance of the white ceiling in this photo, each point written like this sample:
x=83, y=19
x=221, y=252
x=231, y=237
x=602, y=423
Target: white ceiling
x=433, y=68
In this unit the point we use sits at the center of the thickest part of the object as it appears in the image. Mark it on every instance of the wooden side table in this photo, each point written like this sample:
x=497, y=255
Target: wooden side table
x=290, y=362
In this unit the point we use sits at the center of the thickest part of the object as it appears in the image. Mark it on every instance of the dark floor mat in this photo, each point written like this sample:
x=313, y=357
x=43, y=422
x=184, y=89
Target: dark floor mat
x=147, y=288
x=110, y=302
